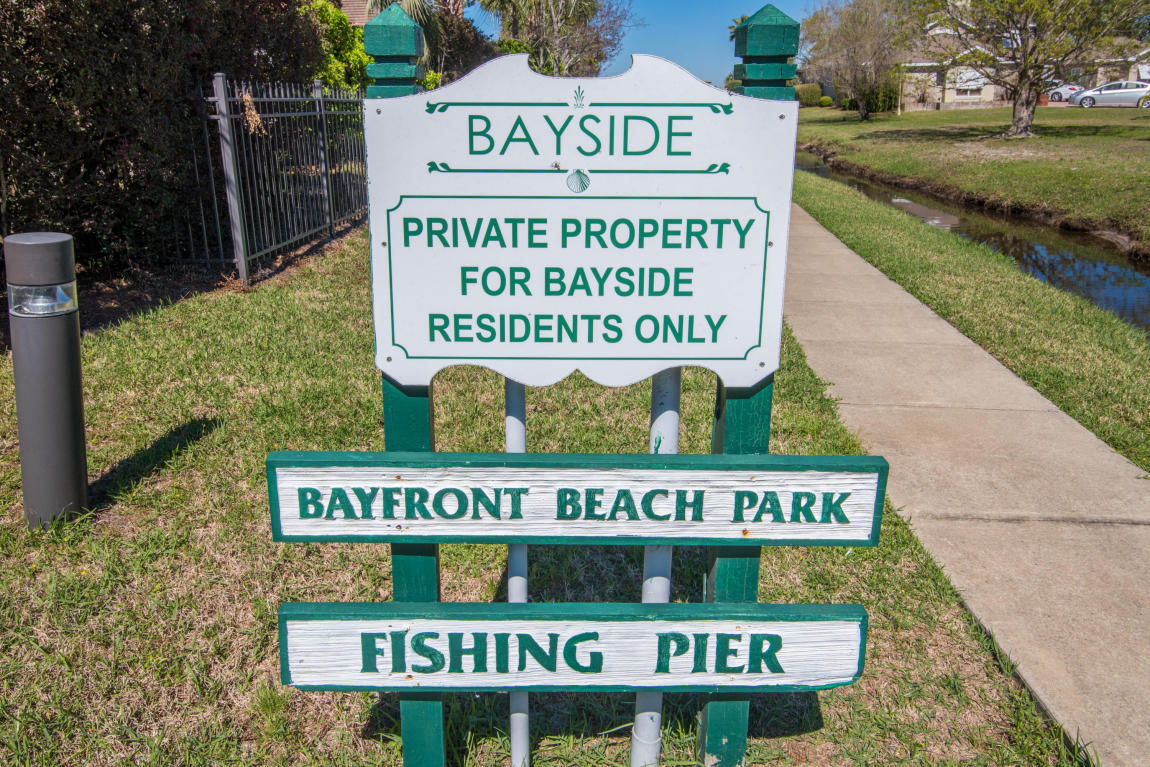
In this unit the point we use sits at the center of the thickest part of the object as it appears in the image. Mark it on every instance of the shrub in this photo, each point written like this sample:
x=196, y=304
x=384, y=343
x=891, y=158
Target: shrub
x=826, y=101
x=808, y=94
x=882, y=100
x=100, y=110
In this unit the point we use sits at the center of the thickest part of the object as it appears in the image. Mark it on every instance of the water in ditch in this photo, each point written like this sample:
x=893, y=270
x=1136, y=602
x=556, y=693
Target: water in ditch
x=1076, y=262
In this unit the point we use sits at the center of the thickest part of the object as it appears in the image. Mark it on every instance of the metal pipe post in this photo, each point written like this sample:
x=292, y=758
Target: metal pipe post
x=45, y=322
x=646, y=735
x=231, y=175
x=515, y=397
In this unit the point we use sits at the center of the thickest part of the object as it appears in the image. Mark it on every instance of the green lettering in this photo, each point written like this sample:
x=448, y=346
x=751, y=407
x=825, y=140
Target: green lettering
x=339, y=500
x=371, y=651
x=665, y=653
x=365, y=500
x=723, y=651
x=757, y=655
x=484, y=133
x=545, y=658
x=435, y=658
x=595, y=659
x=833, y=507
x=801, y=504
x=648, y=499
x=309, y=503
x=477, y=651
x=518, y=125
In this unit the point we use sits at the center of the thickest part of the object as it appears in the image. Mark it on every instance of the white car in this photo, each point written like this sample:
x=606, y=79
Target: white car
x=1129, y=93
x=1064, y=92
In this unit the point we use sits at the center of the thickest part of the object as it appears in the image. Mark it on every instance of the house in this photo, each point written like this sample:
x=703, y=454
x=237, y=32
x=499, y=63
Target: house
x=356, y=11
x=930, y=78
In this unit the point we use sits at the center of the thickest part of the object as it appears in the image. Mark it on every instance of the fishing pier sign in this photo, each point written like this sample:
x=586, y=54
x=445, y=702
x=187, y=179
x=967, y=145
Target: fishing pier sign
x=617, y=226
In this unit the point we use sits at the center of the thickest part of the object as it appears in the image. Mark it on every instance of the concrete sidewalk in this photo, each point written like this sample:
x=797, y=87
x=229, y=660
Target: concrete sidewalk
x=1041, y=526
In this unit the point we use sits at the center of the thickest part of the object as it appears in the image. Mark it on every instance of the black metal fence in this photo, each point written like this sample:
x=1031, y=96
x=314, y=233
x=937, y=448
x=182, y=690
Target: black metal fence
x=280, y=164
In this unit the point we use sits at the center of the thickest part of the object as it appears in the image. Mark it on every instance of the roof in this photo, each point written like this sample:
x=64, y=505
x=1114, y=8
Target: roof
x=356, y=11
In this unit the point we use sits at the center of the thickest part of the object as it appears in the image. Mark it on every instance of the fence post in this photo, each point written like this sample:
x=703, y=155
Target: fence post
x=45, y=323
x=231, y=175
x=321, y=113
x=766, y=42
x=395, y=42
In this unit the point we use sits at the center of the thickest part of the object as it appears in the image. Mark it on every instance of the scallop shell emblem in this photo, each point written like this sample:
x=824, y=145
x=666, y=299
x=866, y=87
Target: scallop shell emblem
x=578, y=181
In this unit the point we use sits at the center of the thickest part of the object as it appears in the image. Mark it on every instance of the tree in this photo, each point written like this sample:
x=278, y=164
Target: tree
x=1019, y=45
x=735, y=23
x=566, y=37
x=345, y=62
x=854, y=44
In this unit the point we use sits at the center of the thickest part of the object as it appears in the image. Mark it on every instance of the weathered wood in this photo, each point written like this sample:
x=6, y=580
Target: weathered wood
x=659, y=500
x=571, y=646
x=396, y=42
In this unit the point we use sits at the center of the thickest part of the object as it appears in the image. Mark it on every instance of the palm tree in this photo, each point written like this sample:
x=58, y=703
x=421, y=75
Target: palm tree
x=735, y=25
x=420, y=11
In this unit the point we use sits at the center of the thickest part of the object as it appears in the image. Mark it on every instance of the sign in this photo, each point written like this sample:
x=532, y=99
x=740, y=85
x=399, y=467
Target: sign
x=434, y=647
x=600, y=499
x=618, y=226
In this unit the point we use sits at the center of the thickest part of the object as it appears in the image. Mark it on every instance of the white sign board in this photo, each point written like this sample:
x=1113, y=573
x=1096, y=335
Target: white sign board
x=686, y=500
x=618, y=226
x=680, y=647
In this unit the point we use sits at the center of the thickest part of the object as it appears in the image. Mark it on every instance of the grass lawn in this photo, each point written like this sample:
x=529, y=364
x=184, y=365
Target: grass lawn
x=145, y=633
x=1088, y=166
x=1092, y=365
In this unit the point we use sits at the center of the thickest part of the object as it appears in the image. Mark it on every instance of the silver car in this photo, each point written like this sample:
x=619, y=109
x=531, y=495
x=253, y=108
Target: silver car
x=1125, y=93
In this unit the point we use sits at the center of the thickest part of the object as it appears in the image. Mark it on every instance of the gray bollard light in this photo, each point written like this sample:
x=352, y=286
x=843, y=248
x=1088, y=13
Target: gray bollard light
x=45, y=321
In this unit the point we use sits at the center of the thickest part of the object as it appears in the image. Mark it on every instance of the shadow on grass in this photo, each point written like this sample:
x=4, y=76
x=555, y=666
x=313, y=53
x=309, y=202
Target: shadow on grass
x=985, y=131
x=129, y=472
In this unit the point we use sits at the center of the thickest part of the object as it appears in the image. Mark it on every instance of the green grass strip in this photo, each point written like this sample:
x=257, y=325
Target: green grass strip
x=1089, y=363
x=146, y=633
x=1086, y=166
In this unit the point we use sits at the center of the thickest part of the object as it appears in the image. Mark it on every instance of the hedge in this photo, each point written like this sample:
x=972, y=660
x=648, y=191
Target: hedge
x=100, y=110
x=808, y=94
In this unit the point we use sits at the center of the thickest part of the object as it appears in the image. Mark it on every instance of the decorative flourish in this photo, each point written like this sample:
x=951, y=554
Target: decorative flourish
x=715, y=107
x=578, y=103
x=439, y=107
x=442, y=167
x=578, y=181
x=580, y=178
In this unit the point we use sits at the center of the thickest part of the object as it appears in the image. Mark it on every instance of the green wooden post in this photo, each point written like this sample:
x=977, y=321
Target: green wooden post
x=766, y=42
x=396, y=42
x=742, y=425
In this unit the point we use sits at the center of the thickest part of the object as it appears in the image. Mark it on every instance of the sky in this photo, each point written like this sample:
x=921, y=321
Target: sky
x=692, y=34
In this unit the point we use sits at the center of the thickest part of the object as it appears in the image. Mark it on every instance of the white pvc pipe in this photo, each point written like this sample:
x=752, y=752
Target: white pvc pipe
x=515, y=396
x=646, y=735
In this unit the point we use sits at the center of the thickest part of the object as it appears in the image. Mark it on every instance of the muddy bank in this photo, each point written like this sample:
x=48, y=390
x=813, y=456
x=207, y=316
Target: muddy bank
x=1110, y=231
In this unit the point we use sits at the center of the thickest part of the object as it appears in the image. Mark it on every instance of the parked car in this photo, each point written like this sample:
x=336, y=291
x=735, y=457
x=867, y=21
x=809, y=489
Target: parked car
x=1064, y=92
x=1127, y=93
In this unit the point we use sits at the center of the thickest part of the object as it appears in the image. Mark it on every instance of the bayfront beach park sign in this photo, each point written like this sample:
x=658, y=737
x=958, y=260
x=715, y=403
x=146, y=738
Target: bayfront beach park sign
x=600, y=499
x=539, y=225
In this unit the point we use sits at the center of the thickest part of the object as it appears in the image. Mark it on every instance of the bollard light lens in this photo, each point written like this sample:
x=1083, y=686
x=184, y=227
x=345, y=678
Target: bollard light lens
x=41, y=300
